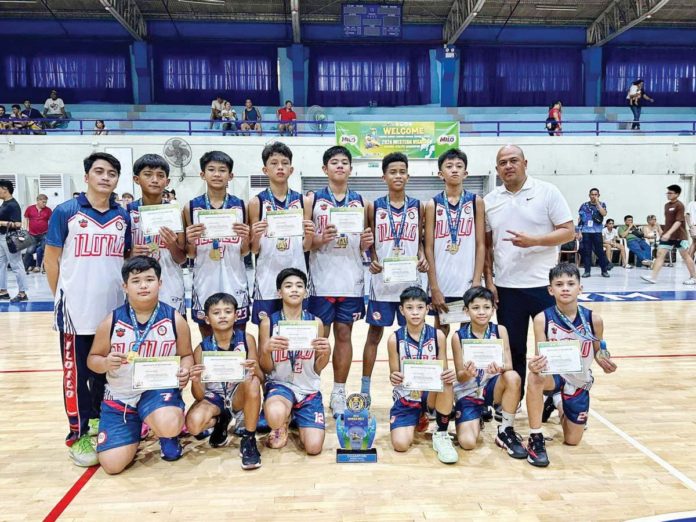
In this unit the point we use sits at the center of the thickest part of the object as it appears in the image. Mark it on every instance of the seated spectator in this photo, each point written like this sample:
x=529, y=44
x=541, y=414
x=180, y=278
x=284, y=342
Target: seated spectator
x=34, y=117
x=286, y=115
x=4, y=120
x=36, y=221
x=216, y=107
x=612, y=241
x=54, y=109
x=229, y=118
x=652, y=231
x=251, y=118
x=635, y=241
x=100, y=128
x=17, y=123
x=126, y=199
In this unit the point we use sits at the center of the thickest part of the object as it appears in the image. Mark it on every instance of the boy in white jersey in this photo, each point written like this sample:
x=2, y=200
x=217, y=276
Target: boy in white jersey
x=216, y=401
x=397, y=221
x=293, y=382
x=455, y=243
x=418, y=340
x=478, y=388
x=275, y=253
x=563, y=321
x=335, y=267
x=218, y=263
x=143, y=327
x=151, y=174
x=88, y=238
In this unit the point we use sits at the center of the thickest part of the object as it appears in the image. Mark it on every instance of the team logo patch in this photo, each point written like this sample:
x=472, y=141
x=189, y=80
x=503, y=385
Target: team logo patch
x=200, y=314
x=458, y=415
x=323, y=206
x=136, y=219
x=411, y=214
x=263, y=315
x=392, y=420
x=439, y=211
x=119, y=225
x=467, y=209
x=376, y=316
x=83, y=223
x=554, y=330
x=161, y=330
x=382, y=215
x=120, y=332
x=101, y=438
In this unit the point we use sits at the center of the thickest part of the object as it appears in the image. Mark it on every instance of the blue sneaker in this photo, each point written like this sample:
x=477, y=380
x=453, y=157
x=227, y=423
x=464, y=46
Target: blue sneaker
x=262, y=426
x=170, y=448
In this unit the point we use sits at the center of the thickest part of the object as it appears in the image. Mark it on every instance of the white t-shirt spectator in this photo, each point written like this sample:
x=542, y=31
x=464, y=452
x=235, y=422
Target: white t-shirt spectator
x=610, y=237
x=218, y=106
x=54, y=107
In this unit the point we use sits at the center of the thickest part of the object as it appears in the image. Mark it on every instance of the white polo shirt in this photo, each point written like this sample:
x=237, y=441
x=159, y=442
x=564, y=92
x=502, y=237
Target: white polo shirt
x=536, y=209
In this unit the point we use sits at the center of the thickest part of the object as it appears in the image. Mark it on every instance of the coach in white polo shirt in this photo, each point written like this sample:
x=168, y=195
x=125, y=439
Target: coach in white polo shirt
x=526, y=220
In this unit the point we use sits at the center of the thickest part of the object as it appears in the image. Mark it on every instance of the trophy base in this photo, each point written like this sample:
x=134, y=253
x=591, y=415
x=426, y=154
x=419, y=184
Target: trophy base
x=346, y=456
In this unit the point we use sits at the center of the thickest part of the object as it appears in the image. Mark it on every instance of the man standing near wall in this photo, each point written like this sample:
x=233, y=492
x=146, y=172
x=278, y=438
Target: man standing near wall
x=592, y=214
x=37, y=217
x=526, y=220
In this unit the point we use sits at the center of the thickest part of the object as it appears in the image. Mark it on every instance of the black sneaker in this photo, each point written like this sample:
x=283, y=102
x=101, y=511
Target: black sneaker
x=249, y=452
x=605, y=274
x=486, y=414
x=548, y=409
x=586, y=274
x=219, y=437
x=511, y=441
x=536, y=450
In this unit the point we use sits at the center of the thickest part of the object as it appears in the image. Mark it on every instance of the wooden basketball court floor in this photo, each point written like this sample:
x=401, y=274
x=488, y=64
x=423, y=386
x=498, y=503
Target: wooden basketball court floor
x=635, y=460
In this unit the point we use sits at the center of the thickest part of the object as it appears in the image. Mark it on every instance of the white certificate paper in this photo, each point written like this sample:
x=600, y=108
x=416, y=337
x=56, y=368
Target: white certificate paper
x=218, y=222
x=223, y=366
x=348, y=220
x=422, y=375
x=483, y=352
x=400, y=270
x=456, y=313
x=285, y=223
x=154, y=217
x=155, y=373
x=299, y=333
x=562, y=357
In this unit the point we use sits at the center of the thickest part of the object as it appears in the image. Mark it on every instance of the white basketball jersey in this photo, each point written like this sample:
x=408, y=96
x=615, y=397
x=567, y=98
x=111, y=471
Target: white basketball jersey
x=407, y=348
x=474, y=386
x=172, y=289
x=557, y=329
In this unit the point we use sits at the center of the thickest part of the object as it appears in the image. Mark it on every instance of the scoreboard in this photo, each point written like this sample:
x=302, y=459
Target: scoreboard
x=371, y=20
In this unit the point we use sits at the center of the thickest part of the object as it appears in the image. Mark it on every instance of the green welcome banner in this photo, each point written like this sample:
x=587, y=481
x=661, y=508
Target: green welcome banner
x=416, y=139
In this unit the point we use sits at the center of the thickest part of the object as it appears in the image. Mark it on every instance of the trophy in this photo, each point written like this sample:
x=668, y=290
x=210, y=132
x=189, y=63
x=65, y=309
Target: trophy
x=356, y=431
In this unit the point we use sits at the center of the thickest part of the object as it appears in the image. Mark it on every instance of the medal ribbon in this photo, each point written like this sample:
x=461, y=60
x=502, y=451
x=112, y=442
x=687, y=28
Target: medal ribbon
x=421, y=340
x=586, y=333
x=453, y=224
x=208, y=206
x=141, y=335
x=272, y=199
x=397, y=233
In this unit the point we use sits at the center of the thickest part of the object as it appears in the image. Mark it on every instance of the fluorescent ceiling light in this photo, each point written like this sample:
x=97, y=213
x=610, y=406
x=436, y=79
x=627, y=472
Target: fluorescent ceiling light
x=18, y=1
x=551, y=7
x=207, y=2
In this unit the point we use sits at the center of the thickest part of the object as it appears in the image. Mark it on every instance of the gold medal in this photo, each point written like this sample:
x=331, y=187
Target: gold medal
x=282, y=244
x=453, y=248
x=415, y=395
x=152, y=247
x=342, y=242
x=131, y=356
x=215, y=254
x=396, y=251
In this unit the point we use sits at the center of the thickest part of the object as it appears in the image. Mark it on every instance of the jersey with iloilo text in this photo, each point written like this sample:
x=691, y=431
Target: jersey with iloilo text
x=408, y=348
x=277, y=253
x=454, y=264
x=385, y=244
x=294, y=369
x=219, y=269
x=172, y=289
x=558, y=329
x=159, y=342
x=336, y=269
x=474, y=386
x=238, y=344
x=94, y=244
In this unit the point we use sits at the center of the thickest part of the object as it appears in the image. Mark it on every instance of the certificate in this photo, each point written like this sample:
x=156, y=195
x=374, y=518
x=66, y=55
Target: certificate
x=154, y=217
x=456, y=313
x=155, y=373
x=299, y=333
x=348, y=220
x=218, y=222
x=400, y=270
x=422, y=375
x=285, y=223
x=562, y=357
x=223, y=366
x=483, y=352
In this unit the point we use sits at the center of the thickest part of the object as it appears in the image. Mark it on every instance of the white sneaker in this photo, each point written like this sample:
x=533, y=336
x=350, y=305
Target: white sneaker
x=690, y=281
x=648, y=279
x=338, y=403
x=442, y=444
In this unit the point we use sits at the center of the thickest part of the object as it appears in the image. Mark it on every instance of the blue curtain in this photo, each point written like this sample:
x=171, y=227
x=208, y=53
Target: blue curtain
x=357, y=76
x=98, y=72
x=196, y=75
x=520, y=76
x=669, y=74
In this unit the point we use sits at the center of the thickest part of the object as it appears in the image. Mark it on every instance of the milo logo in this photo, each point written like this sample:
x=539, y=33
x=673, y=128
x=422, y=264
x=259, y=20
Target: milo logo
x=446, y=139
x=349, y=139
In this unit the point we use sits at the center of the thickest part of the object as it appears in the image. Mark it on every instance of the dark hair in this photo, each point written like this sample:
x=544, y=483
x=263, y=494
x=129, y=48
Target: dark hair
x=150, y=161
x=277, y=147
x=638, y=81
x=288, y=272
x=628, y=216
x=220, y=297
x=15, y=106
x=562, y=269
x=335, y=151
x=451, y=154
x=288, y=101
x=3, y=108
x=138, y=265
x=172, y=191
x=393, y=157
x=96, y=156
x=216, y=155
x=593, y=189
x=608, y=220
x=99, y=121
x=413, y=293
x=7, y=184
x=478, y=292
x=674, y=188
x=127, y=195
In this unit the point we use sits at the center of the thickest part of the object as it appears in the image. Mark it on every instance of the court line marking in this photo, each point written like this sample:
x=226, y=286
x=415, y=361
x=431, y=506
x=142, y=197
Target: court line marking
x=681, y=477
x=64, y=502
x=31, y=371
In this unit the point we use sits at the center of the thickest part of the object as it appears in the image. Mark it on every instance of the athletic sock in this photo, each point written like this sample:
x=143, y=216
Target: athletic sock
x=442, y=420
x=535, y=431
x=508, y=420
x=557, y=400
x=339, y=387
x=365, y=385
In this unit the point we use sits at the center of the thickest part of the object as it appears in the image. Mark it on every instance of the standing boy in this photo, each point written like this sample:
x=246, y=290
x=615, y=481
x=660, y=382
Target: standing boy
x=218, y=263
x=88, y=238
x=454, y=236
x=335, y=267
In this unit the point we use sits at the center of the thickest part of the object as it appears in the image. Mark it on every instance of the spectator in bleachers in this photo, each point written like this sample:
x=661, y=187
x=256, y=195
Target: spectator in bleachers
x=591, y=216
x=54, y=109
x=17, y=123
x=691, y=224
x=286, y=116
x=216, y=107
x=229, y=118
x=251, y=117
x=100, y=128
x=4, y=120
x=636, y=95
x=635, y=242
x=36, y=221
x=553, y=121
x=34, y=117
x=612, y=241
